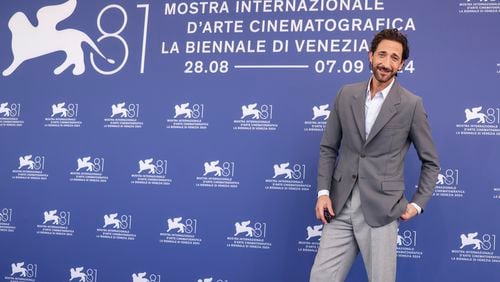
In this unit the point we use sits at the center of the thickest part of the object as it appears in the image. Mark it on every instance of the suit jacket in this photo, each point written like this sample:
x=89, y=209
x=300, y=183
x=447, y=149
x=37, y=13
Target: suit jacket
x=376, y=162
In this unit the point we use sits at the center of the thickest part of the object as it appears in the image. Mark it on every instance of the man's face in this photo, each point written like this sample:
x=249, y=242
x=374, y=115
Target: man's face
x=386, y=60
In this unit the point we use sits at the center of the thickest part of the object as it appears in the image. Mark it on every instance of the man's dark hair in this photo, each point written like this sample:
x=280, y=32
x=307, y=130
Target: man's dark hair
x=394, y=35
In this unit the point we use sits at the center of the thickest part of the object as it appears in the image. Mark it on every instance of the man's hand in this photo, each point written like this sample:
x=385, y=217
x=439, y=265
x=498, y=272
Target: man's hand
x=410, y=212
x=323, y=202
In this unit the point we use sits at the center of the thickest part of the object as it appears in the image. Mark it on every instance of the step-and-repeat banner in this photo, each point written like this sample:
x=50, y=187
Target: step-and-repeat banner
x=150, y=141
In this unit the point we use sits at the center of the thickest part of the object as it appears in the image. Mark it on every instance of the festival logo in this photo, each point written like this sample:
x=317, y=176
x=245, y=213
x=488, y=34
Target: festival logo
x=181, y=230
x=407, y=245
x=145, y=277
x=188, y=116
x=146, y=165
x=5, y=110
x=116, y=227
x=51, y=216
x=212, y=168
x=321, y=111
x=120, y=110
x=475, y=114
x=111, y=219
x=59, y=109
x=480, y=121
x=80, y=274
x=6, y=224
x=282, y=170
x=26, y=162
x=23, y=272
x=255, y=117
x=476, y=247
x=312, y=238
x=10, y=114
x=248, y=234
x=318, y=120
x=124, y=116
x=496, y=193
x=63, y=115
x=448, y=184
x=183, y=110
x=314, y=231
x=89, y=169
x=211, y=279
x=31, y=167
x=470, y=240
x=30, y=41
x=478, y=7
x=55, y=223
x=217, y=174
x=151, y=172
x=288, y=177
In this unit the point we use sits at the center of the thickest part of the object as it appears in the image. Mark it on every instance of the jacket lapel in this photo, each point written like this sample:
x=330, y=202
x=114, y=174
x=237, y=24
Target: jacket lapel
x=388, y=110
x=358, y=110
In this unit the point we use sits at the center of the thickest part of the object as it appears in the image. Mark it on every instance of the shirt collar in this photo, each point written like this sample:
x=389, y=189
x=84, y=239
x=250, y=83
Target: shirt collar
x=384, y=91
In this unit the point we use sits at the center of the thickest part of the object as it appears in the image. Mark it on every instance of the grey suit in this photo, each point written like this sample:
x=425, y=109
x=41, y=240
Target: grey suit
x=365, y=178
x=376, y=164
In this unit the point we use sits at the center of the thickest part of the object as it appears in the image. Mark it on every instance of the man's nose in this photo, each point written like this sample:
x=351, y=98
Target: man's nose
x=385, y=62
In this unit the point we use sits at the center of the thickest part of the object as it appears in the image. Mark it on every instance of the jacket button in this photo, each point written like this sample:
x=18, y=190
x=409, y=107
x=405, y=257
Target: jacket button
x=363, y=155
x=354, y=176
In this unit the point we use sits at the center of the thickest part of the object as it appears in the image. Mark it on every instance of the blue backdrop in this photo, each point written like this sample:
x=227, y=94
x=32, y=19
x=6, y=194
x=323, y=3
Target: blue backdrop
x=178, y=141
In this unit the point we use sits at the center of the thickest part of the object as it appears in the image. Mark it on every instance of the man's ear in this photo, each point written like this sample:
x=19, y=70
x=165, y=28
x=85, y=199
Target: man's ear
x=402, y=65
x=370, y=57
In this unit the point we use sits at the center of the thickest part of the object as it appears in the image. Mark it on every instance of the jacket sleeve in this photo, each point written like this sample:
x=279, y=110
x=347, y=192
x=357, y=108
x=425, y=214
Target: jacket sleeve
x=329, y=146
x=420, y=134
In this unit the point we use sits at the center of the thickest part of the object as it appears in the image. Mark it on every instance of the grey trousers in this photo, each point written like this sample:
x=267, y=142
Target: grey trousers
x=347, y=235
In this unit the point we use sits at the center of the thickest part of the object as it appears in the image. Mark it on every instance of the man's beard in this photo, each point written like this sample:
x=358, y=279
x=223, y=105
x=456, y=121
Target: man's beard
x=380, y=75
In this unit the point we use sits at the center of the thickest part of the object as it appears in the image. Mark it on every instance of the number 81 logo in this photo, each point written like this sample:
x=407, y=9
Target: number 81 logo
x=116, y=35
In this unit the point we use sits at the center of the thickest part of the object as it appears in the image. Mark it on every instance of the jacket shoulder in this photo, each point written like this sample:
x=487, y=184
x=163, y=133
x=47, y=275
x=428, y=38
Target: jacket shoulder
x=356, y=87
x=349, y=90
x=407, y=94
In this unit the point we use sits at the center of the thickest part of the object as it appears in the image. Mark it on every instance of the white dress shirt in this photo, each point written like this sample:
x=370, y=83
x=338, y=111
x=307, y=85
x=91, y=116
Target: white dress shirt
x=373, y=106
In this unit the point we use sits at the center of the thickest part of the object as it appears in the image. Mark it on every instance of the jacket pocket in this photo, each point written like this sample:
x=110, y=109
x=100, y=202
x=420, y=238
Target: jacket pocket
x=393, y=186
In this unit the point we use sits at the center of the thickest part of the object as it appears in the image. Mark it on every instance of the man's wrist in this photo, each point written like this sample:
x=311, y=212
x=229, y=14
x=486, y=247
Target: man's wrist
x=417, y=207
x=323, y=192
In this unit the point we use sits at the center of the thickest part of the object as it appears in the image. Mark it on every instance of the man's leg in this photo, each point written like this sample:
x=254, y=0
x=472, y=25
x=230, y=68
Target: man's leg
x=337, y=249
x=377, y=245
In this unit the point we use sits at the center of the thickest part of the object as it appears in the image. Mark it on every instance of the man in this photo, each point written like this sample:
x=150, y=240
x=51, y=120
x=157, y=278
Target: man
x=361, y=167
